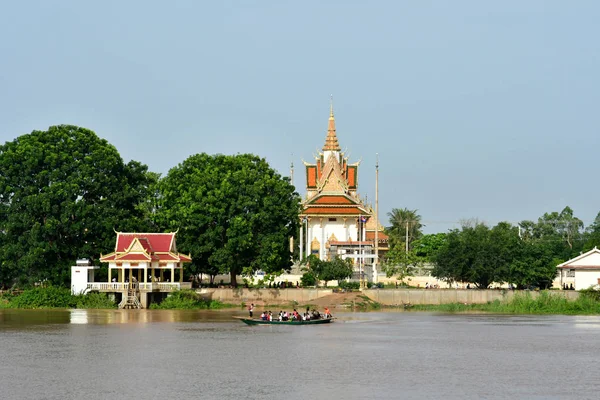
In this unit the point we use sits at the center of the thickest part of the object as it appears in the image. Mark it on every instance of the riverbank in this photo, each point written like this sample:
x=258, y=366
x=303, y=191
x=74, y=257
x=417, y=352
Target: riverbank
x=508, y=302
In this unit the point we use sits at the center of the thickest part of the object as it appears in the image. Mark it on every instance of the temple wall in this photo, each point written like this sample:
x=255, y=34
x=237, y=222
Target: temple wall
x=263, y=296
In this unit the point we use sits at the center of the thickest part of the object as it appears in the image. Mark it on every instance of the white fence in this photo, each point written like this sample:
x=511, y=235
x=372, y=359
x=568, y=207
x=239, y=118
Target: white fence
x=154, y=286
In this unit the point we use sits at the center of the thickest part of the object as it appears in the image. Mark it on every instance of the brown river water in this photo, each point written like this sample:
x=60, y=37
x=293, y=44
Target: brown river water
x=160, y=354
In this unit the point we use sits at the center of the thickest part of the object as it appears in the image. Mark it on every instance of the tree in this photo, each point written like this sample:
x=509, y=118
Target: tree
x=336, y=269
x=62, y=192
x=426, y=246
x=401, y=264
x=593, y=234
x=402, y=219
x=475, y=254
x=234, y=213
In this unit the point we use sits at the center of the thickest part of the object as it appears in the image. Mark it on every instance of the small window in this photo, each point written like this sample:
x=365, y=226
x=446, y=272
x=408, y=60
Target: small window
x=332, y=219
x=571, y=273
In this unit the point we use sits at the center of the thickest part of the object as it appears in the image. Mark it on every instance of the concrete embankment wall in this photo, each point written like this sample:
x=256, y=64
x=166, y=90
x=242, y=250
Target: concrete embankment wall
x=393, y=297
x=264, y=296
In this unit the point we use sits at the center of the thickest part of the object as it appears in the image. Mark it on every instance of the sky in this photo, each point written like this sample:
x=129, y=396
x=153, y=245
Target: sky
x=476, y=109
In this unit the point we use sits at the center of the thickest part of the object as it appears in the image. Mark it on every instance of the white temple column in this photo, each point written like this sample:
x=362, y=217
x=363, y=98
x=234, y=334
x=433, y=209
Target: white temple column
x=301, y=240
x=145, y=273
x=322, y=247
x=109, y=274
x=309, y=240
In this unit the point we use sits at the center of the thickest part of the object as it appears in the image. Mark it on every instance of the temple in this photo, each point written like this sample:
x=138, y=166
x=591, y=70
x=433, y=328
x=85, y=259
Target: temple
x=334, y=220
x=142, y=268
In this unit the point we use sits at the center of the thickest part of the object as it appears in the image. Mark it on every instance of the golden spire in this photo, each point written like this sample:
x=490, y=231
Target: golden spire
x=331, y=141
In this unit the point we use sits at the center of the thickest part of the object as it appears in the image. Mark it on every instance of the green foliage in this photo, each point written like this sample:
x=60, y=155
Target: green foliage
x=402, y=219
x=349, y=285
x=308, y=279
x=401, y=264
x=427, y=246
x=235, y=214
x=545, y=303
x=187, y=300
x=482, y=255
x=94, y=300
x=55, y=297
x=62, y=191
x=336, y=269
x=45, y=297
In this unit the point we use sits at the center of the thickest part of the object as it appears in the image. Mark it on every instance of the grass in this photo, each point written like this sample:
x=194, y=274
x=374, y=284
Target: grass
x=188, y=300
x=365, y=305
x=545, y=303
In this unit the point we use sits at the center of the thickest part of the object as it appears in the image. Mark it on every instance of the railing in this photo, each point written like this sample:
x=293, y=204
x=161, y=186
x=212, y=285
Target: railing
x=119, y=286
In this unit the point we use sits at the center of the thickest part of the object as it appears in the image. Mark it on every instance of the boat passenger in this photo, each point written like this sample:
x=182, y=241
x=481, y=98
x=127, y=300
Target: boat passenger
x=304, y=317
x=263, y=316
x=270, y=316
x=285, y=315
x=327, y=313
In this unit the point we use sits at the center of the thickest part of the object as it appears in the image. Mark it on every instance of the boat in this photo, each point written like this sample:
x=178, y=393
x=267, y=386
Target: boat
x=253, y=321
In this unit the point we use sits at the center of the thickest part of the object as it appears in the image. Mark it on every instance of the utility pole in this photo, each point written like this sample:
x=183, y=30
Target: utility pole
x=359, y=251
x=407, y=237
x=376, y=260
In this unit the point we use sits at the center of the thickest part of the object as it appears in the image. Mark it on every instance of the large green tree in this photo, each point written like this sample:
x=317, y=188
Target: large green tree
x=234, y=213
x=62, y=192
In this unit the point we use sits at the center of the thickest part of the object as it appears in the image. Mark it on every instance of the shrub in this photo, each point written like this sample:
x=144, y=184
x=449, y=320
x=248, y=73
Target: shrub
x=349, y=285
x=94, y=300
x=187, y=300
x=308, y=279
x=45, y=297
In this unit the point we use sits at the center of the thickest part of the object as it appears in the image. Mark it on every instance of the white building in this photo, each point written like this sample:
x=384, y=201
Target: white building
x=582, y=271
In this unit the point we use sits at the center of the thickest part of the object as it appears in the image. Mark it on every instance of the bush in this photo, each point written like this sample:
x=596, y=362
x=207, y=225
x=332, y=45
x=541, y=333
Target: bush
x=187, y=300
x=308, y=279
x=45, y=297
x=349, y=285
x=94, y=300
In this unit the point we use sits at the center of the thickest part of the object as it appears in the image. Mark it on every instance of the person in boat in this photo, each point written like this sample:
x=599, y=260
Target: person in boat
x=250, y=309
x=263, y=316
x=315, y=314
x=327, y=313
x=270, y=316
x=285, y=315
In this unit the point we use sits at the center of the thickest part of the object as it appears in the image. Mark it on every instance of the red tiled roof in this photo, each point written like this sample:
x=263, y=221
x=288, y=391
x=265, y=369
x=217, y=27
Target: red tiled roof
x=157, y=242
x=157, y=247
x=332, y=200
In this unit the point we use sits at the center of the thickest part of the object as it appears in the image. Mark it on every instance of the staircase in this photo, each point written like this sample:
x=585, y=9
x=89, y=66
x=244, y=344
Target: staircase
x=130, y=299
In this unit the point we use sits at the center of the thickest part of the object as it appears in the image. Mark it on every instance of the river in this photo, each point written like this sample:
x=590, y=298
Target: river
x=378, y=355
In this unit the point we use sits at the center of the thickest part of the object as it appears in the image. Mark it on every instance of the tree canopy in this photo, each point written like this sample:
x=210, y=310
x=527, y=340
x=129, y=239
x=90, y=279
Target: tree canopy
x=235, y=214
x=328, y=270
x=62, y=192
x=405, y=227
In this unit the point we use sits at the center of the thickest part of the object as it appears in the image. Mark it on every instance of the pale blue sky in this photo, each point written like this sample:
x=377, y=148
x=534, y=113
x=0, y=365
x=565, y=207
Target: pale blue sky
x=477, y=108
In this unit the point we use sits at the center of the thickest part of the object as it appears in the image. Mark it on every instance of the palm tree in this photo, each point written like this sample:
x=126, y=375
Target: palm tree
x=400, y=220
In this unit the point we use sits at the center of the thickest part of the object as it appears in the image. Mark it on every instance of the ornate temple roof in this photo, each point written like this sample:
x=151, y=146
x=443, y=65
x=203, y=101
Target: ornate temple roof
x=144, y=247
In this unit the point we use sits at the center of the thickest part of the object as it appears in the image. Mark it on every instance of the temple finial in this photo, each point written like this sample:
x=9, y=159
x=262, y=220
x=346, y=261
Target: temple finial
x=330, y=106
x=331, y=141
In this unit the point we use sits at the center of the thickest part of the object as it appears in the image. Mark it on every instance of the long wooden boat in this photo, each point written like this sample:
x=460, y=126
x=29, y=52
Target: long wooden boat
x=252, y=321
